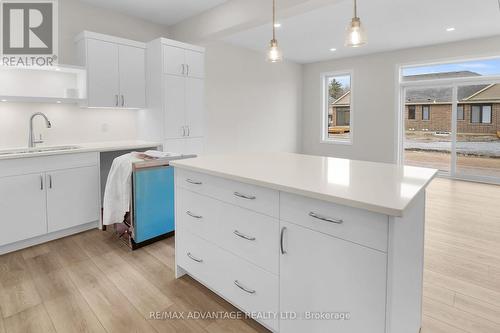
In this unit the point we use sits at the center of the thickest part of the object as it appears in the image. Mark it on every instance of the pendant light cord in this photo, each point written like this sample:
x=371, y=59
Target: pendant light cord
x=356, y=8
x=274, y=19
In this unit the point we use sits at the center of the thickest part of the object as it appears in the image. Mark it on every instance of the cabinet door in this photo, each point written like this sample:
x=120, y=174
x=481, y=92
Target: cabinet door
x=102, y=74
x=175, y=146
x=196, y=62
x=324, y=275
x=175, y=106
x=194, y=146
x=22, y=207
x=174, y=60
x=72, y=197
x=195, y=106
x=132, y=77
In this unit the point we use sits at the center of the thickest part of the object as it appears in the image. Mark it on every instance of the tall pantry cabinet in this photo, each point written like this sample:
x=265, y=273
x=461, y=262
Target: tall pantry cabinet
x=176, y=96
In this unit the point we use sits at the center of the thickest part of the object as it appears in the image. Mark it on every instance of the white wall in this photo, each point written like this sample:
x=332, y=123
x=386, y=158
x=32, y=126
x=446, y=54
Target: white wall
x=70, y=123
x=76, y=16
x=375, y=94
x=252, y=105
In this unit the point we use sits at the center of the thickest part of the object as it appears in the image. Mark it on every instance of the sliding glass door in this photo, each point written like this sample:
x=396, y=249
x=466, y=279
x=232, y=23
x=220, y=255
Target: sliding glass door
x=478, y=132
x=427, y=127
x=454, y=128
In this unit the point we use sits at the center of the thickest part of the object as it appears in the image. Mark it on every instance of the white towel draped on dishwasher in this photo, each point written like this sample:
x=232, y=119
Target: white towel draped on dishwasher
x=118, y=192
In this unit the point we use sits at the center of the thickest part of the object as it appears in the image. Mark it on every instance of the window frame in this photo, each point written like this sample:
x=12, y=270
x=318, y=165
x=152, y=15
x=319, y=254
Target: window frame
x=481, y=111
x=324, y=139
x=414, y=112
x=429, y=112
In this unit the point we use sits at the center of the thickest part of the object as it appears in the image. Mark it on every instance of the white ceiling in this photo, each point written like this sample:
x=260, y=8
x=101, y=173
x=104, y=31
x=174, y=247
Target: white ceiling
x=166, y=12
x=391, y=24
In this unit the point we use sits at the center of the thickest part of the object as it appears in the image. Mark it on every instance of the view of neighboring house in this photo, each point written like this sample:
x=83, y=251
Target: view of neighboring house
x=339, y=115
x=429, y=109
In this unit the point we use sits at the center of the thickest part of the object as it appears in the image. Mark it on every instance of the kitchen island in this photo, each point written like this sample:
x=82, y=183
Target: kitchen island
x=305, y=243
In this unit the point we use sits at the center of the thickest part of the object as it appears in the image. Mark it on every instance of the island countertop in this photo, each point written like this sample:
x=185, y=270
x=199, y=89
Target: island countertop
x=378, y=187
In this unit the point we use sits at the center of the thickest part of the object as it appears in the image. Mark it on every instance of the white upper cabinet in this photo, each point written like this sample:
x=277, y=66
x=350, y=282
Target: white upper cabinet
x=116, y=70
x=195, y=105
x=175, y=99
x=195, y=62
x=103, y=74
x=176, y=96
x=184, y=62
x=174, y=60
x=132, y=67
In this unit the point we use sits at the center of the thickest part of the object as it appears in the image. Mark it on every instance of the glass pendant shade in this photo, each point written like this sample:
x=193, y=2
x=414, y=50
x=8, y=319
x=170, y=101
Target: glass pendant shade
x=356, y=35
x=274, y=54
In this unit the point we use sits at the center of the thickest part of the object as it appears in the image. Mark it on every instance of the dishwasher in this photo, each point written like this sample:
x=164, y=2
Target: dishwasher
x=152, y=213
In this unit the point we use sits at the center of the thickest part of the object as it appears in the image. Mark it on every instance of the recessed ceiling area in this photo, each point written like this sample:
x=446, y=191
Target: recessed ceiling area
x=166, y=12
x=391, y=24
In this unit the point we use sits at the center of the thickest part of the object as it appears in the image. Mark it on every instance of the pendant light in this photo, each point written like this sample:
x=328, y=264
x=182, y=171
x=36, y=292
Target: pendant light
x=356, y=35
x=274, y=54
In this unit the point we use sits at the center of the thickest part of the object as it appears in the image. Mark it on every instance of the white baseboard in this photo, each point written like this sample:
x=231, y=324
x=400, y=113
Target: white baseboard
x=47, y=237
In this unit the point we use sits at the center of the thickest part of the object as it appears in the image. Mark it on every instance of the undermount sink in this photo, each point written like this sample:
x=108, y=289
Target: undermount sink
x=36, y=150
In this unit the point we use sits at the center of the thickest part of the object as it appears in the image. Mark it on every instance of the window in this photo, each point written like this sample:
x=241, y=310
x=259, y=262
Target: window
x=337, y=112
x=460, y=112
x=480, y=114
x=412, y=112
x=471, y=68
x=426, y=112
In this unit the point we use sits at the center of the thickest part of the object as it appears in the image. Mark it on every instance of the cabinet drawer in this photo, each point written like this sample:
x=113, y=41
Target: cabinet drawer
x=248, y=196
x=355, y=225
x=248, y=287
x=245, y=233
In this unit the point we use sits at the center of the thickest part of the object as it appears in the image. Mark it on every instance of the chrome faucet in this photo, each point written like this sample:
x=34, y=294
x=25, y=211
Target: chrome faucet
x=32, y=142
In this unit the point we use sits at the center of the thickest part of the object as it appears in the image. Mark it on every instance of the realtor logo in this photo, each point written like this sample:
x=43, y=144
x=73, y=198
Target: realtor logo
x=29, y=32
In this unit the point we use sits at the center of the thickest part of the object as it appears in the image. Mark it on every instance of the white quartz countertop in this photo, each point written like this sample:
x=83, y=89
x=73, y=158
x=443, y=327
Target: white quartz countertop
x=382, y=188
x=80, y=148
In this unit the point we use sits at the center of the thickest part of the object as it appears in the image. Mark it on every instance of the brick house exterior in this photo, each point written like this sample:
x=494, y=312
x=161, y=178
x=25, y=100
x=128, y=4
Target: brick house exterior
x=439, y=115
x=339, y=111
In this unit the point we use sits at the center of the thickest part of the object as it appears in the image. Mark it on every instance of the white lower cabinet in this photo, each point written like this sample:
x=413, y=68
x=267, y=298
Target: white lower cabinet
x=327, y=278
x=315, y=266
x=72, y=197
x=22, y=205
x=245, y=285
x=53, y=193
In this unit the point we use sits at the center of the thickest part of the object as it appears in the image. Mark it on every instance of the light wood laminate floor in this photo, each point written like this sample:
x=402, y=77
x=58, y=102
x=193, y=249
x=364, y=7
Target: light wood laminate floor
x=91, y=282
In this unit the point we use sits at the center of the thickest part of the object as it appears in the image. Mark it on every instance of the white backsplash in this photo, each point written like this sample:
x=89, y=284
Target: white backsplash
x=70, y=124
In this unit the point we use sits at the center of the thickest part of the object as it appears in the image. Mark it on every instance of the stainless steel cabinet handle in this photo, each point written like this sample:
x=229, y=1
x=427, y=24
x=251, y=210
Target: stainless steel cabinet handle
x=282, y=235
x=41, y=182
x=194, y=182
x=187, y=70
x=50, y=181
x=193, y=215
x=250, y=291
x=189, y=130
x=326, y=219
x=183, y=69
x=116, y=100
x=123, y=101
x=245, y=196
x=239, y=234
x=183, y=130
x=193, y=257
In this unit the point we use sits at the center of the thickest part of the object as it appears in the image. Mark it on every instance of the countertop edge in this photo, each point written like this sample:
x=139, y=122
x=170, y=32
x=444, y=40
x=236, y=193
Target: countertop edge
x=85, y=148
x=390, y=211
